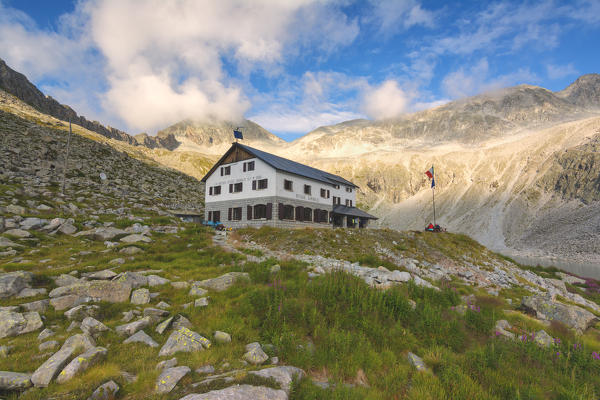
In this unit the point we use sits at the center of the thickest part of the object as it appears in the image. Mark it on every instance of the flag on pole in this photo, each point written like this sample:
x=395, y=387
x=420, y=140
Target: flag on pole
x=237, y=134
x=429, y=173
x=433, y=182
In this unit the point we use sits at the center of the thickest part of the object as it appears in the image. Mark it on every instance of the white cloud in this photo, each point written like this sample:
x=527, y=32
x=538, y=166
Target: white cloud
x=560, y=71
x=392, y=16
x=385, y=101
x=474, y=80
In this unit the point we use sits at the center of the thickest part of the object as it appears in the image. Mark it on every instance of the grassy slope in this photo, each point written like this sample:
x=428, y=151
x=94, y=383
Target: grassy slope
x=334, y=327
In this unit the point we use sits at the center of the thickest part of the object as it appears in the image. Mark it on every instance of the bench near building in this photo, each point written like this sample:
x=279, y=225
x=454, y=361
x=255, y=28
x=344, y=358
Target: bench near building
x=249, y=187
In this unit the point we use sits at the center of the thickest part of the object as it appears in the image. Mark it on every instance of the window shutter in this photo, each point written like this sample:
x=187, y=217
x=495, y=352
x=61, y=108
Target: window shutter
x=266, y=183
x=229, y=214
x=244, y=167
x=280, y=210
x=316, y=215
x=301, y=213
x=253, y=185
x=327, y=193
x=210, y=215
x=249, y=212
x=269, y=210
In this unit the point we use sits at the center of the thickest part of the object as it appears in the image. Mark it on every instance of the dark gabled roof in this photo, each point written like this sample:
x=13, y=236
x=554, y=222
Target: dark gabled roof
x=352, y=211
x=283, y=164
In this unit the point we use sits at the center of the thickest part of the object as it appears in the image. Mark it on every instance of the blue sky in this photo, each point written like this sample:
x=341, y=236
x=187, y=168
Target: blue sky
x=290, y=65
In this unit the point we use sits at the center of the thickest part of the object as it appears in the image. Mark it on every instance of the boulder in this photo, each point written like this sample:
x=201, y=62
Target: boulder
x=45, y=334
x=416, y=362
x=92, y=326
x=79, y=313
x=224, y=282
x=12, y=283
x=66, y=280
x=67, y=229
x=141, y=337
x=134, y=279
x=163, y=326
x=255, y=355
x=134, y=238
x=14, y=323
x=31, y=292
x=201, y=302
x=47, y=346
x=543, y=339
x=40, y=306
x=81, y=363
x=20, y=233
x=184, y=340
x=544, y=307
x=222, y=337
x=167, y=364
x=130, y=250
x=502, y=327
x=140, y=296
x=10, y=381
x=399, y=276
x=283, y=375
x=111, y=291
x=240, y=392
x=132, y=327
x=15, y=209
x=106, y=391
x=68, y=301
x=102, y=233
x=197, y=290
x=105, y=274
x=169, y=378
x=5, y=242
x=155, y=280
x=32, y=223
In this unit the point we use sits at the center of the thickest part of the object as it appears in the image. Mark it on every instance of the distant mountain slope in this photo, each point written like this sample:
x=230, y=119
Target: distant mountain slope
x=19, y=86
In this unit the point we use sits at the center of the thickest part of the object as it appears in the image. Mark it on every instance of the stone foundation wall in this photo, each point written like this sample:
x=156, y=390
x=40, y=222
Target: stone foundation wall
x=223, y=207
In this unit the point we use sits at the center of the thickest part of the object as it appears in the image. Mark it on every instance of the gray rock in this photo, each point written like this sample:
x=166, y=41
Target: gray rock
x=184, y=340
x=32, y=223
x=52, y=366
x=543, y=339
x=134, y=279
x=282, y=375
x=181, y=322
x=20, y=233
x=197, y=291
x=545, y=308
x=155, y=280
x=400, y=276
x=47, y=346
x=67, y=229
x=224, y=282
x=134, y=238
x=127, y=316
x=132, y=327
x=222, y=337
x=140, y=296
x=10, y=381
x=255, y=356
x=106, y=391
x=40, y=306
x=275, y=269
x=53, y=224
x=130, y=250
x=80, y=312
x=155, y=313
x=201, y=302
x=141, y=337
x=68, y=301
x=81, y=363
x=66, y=280
x=92, y=326
x=15, y=209
x=30, y=292
x=5, y=351
x=105, y=274
x=163, y=305
x=111, y=291
x=169, y=378
x=167, y=364
x=117, y=261
x=180, y=285
x=163, y=326
x=73, y=325
x=417, y=362
x=46, y=333
x=14, y=323
x=206, y=369
x=240, y=392
x=102, y=233
x=12, y=283
x=502, y=327
x=5, y=242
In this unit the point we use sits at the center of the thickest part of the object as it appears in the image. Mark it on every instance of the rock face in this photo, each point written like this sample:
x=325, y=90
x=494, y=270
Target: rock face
x=184, y=340
x=545, y=308
x=14, y=380
x=12, y=283
x=169, y=378
x=224, y=282
x=14, y=323
x=240, y=392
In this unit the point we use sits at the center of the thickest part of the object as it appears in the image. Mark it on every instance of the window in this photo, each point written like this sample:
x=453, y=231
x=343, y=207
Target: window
x=348, y=189
x=288, y=185
x=214, y=216
x=336, y=186
x=307, y=214
x=214, y=190
x=260, y=211
x=286, y=211
x=226, y=170
x=249, y=166
x=307, y=189
x=336, y=200
x=259, y=184
x=325, y=193
x=235, y=187
x=348, y=203
x=237, y=213
x=320, y=215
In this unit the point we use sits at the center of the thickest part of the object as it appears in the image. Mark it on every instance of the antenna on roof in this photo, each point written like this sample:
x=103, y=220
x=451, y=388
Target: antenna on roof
x=237, y=134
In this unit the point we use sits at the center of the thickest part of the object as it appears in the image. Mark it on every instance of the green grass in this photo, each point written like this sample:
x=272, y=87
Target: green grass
x=335, y=327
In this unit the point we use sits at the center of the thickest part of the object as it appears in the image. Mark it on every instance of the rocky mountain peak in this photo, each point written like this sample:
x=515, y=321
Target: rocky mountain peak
x=584, y=92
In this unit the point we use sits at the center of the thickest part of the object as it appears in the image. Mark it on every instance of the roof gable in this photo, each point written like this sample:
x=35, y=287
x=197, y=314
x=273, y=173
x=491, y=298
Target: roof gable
x=281, y=164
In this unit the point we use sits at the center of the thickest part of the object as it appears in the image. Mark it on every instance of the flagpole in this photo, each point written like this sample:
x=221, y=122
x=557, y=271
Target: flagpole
x=433, y=195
